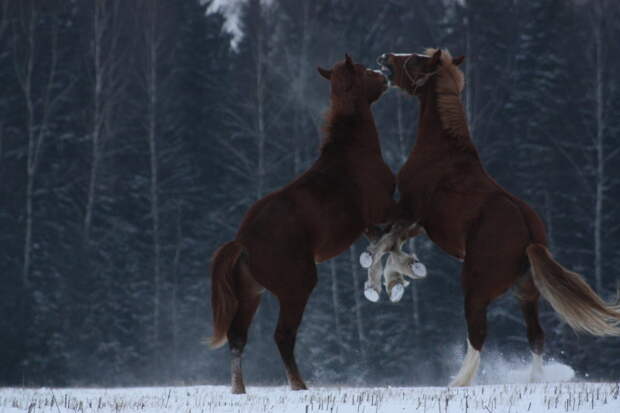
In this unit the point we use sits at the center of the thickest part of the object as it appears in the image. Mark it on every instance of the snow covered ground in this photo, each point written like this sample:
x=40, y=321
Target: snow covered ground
x=517, y=398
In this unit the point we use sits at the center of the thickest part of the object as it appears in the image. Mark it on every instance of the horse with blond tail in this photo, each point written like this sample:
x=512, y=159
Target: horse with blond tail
x=446, y=192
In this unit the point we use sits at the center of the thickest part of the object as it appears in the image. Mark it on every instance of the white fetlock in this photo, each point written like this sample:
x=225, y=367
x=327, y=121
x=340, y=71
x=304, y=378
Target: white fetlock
x=397, y=293
x=365, y=259
x=370, y=292
x=536, y=373
x=468, y=370
x=419, y=269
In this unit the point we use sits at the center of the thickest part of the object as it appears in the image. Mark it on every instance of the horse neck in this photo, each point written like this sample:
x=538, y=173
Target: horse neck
x=429, y=120
x=352, y=126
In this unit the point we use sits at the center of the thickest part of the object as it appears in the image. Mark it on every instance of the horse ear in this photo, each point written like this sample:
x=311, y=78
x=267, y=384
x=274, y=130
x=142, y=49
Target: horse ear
x=458, y=60
x=327, y=74
x=435, y=59
x=349, y=62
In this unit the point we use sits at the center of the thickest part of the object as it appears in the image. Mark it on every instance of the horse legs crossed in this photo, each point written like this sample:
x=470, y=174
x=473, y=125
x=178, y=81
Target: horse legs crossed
x=398, y=264
x=476, y=315
x=237, y=337
x=291, y=312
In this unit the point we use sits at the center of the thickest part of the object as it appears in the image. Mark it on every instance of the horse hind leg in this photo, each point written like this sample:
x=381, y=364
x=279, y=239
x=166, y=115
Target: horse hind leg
x=528, y=297
x=291, y=312
x=476, y=315
x=249, y=299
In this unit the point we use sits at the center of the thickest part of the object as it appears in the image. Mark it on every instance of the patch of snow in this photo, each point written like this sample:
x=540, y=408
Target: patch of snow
x=544, y=397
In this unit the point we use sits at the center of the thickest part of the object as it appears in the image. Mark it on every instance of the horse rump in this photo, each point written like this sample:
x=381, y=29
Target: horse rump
x=224, y=298
x=571, y=297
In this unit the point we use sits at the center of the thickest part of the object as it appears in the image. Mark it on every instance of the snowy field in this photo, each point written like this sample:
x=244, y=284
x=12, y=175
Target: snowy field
x=517, y=398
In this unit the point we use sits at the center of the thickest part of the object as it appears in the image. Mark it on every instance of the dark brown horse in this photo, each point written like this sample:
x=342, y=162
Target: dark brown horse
x=314, y=218
x=446, y=192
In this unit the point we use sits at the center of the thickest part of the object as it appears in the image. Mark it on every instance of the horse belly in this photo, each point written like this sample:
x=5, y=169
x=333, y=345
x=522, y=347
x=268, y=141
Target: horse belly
x=336, y=235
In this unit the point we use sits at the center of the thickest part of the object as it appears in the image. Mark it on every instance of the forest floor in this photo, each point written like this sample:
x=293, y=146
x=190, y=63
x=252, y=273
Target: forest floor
x=517, y=398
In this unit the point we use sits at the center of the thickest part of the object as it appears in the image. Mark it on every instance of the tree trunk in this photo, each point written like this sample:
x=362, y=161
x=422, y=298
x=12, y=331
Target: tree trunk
x=600, y=147
x=174, y=301
x=260, y=120
x=151, y=73
x=336, y=304
x=97, y=120
x=359, y=319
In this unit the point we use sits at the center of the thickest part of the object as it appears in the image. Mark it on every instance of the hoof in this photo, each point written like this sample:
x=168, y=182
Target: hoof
x=371, y=294
x=397, y=293
x=365, y=259
x=238, y=389
x=296, y=386
x=419, y=269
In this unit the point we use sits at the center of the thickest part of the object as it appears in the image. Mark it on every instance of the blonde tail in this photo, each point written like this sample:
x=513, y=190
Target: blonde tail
x=571, y=297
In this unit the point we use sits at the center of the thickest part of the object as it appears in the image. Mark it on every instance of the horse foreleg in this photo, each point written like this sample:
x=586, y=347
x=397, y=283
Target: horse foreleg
x=401, y=264
x=380, y=243
x=394, y=283
x=372, y=286
x=371, y=259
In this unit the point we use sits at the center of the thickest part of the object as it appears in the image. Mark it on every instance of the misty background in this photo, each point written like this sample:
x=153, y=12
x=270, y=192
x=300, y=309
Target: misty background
x=133, y=138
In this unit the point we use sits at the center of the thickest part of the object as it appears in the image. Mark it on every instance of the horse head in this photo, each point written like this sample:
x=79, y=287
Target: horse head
x=412, y=71
x=354, y=82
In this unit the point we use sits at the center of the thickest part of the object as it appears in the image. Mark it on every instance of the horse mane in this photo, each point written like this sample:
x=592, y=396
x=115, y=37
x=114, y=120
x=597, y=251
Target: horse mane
x=449, y=85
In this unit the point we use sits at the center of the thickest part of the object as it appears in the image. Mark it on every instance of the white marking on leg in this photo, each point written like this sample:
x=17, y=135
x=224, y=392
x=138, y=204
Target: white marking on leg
x=469, y=368
x=372, y=286
x=370, y=292
x=419, y=269
x=365, y=259
x=237, y=386
x=396, y=294
x=536, y=374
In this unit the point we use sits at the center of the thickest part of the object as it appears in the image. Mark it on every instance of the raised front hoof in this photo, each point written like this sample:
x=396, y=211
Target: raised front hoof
x=419, y=270
x=371, y=294
x=238, y=389
x=365, y=259
x=396, y=294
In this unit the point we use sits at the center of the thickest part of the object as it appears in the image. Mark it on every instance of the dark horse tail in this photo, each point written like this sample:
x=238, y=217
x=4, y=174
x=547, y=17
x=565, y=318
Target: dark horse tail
x=571, y=297
x=224, y=300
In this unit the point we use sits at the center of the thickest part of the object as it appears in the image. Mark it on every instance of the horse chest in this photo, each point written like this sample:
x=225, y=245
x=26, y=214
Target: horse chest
x=377, y=186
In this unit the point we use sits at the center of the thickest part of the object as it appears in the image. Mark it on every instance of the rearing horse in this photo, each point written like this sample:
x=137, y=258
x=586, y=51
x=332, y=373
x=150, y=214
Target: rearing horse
x=446, y=191
x=314, y=218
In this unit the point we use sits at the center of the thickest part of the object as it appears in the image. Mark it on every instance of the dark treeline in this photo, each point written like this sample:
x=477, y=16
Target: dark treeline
x=133, y=139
